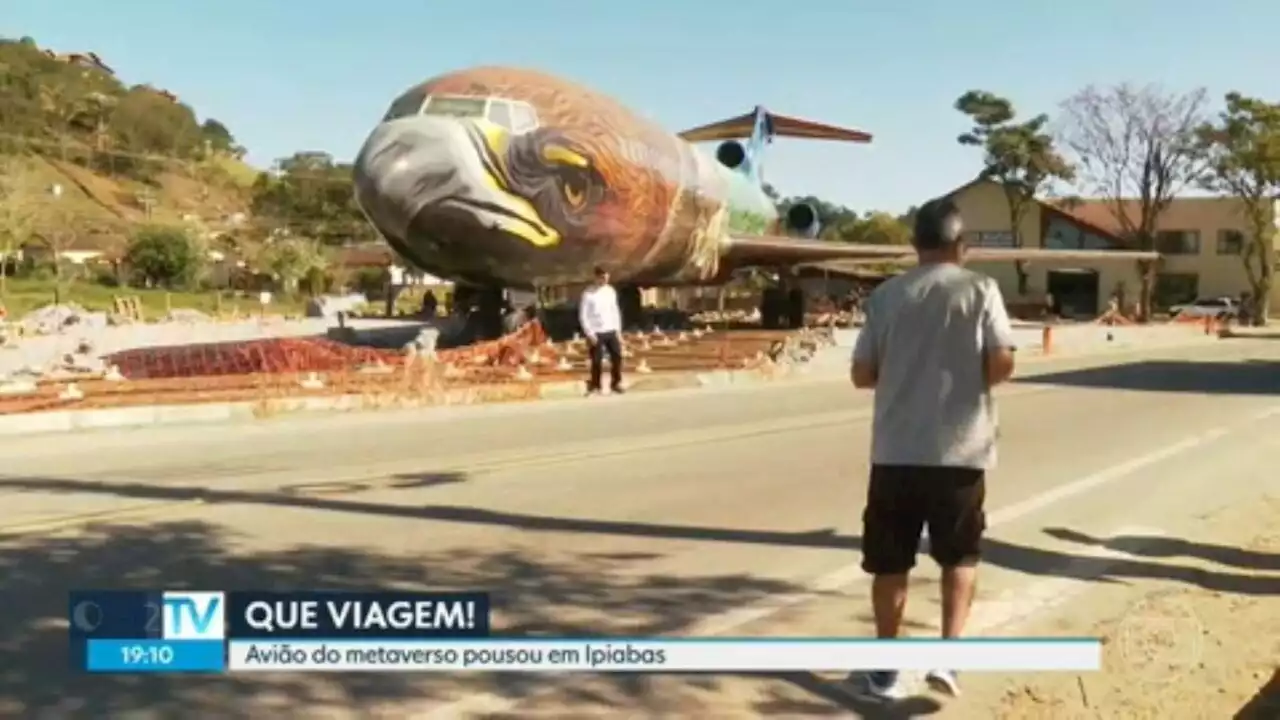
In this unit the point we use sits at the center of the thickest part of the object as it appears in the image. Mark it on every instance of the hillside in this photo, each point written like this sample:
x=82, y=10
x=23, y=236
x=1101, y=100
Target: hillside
x=121, y=154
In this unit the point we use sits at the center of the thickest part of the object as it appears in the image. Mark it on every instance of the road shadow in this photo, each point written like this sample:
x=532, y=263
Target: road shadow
x=1021, y=558
x=1265, y=704
x=1251, y=377
x=588, y=594
x=829, y=698
x=582, y=596
x=1166, y=547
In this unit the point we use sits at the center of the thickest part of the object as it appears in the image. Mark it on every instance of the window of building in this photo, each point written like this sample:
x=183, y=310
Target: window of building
x=993, y=239
x=1230, y=242
x=1061, y=235
x=500, y=113
x=1065, y=235
x=1175, y=289
x=1096, y=242
x=407, y=105
x=1178, y=242
x=452, y=106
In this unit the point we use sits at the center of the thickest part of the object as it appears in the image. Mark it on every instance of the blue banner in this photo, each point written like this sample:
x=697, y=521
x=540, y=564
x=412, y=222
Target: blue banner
x=301, y=615
x=155, y=656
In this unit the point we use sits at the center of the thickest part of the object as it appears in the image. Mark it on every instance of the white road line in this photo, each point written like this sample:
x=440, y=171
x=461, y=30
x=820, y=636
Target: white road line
x=850, y=575
x=1019, y=604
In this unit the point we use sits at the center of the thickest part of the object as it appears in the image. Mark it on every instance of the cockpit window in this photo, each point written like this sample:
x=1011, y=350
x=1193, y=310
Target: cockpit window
x=523, y=117
x=466, y=107
x=406, y=105
x=500, y=113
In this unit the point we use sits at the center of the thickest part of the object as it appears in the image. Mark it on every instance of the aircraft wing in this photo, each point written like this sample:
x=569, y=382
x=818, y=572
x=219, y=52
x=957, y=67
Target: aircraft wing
x=740, y=127
x=1032, y=255
x=775, y=251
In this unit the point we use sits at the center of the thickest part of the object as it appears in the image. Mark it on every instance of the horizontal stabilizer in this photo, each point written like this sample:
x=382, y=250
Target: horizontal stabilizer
x=778, y=125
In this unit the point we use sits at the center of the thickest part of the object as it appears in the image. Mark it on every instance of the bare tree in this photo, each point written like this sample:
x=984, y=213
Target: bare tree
x=1136, y=148
x=19, y=207
x=58, y=234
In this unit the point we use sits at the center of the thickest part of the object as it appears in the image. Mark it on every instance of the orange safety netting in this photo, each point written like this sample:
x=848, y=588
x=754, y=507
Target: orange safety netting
x=280, y=355
x=301, y=355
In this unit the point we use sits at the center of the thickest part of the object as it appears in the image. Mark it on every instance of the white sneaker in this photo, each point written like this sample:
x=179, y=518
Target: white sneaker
x=943, y=681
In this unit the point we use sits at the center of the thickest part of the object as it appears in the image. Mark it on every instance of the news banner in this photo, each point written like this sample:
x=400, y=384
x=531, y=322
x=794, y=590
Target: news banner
x=215, y=632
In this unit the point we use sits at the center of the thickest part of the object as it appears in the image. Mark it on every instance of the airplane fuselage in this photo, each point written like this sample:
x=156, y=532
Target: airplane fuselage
x=514, y=177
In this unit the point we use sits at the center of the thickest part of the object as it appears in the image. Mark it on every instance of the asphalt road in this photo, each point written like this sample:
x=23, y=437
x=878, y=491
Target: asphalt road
x=703, y=512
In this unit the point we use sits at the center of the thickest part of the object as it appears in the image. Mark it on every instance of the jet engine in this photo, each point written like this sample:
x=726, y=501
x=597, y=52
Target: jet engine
x=731, y=154
x=802, y=220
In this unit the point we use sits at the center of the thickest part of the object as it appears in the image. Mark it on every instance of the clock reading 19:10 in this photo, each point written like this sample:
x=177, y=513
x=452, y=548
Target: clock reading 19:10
x=131, y=656
x=146, y=654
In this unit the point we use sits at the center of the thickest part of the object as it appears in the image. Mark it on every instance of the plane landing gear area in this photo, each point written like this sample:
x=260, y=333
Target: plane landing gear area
x=782, y=308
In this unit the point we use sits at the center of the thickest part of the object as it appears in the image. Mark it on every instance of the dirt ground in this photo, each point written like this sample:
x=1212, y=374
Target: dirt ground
x=1174, y=651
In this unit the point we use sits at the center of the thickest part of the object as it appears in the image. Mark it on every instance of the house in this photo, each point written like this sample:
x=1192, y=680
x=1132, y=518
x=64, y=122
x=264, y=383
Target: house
x=75, y=254
x=162, y=93
x=88, y=60
x=380, y=257
x=1199, y=239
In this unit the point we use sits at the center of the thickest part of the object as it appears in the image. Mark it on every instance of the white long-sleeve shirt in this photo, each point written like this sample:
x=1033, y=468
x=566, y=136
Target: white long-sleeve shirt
x=598, y=310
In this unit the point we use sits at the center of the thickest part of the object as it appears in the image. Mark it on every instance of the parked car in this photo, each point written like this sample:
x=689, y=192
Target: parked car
x=1221, y=307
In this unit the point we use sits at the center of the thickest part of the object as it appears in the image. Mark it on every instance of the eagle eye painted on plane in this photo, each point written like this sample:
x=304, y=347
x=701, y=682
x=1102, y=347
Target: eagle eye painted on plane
x=557, y=177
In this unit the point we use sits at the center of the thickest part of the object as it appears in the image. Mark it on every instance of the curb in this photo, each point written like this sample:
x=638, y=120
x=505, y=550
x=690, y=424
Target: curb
x=141, y=416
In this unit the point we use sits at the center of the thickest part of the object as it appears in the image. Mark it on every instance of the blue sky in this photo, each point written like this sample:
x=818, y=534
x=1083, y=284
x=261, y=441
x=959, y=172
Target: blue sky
x=285, y=75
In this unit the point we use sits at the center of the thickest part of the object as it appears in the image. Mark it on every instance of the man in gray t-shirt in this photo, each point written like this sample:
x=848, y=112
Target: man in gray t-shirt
x=936, y=340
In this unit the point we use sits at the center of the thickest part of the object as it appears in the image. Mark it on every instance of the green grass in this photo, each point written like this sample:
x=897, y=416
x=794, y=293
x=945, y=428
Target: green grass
x=240, y=172
x=26, y=294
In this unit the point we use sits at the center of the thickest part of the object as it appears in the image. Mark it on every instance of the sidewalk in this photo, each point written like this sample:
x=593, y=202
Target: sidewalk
x=1174, y=651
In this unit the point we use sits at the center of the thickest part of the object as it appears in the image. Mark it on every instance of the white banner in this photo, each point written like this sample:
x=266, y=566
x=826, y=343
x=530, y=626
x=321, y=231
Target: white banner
x=661, y=655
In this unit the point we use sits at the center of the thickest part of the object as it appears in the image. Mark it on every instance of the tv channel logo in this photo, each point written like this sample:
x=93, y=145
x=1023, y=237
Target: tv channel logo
x=193, y=616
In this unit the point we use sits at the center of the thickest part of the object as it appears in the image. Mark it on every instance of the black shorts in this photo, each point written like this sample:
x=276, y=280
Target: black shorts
x=903, y=499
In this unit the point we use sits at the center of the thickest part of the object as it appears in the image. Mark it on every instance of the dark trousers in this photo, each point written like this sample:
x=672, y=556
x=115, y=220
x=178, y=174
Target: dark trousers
x=607, y=343
x=903, y=500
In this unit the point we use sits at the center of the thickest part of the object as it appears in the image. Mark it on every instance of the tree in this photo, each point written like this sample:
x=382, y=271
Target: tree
x=877, y=228
x=1020, y=156
x=57, y=231
x=164, y=256
x=1242, y=154
x=309, y=194
x=290, y=259
x=1136, y=148
x=217, y=135
x=19, y=207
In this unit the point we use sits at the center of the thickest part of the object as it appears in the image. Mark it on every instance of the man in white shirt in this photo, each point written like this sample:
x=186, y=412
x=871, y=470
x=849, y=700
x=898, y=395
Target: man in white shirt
x=601, y=320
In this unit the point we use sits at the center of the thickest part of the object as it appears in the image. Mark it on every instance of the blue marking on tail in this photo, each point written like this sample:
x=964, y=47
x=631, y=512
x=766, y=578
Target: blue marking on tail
x=761, y=135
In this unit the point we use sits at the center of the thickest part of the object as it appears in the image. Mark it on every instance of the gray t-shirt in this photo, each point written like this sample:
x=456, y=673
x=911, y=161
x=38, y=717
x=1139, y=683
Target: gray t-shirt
x=927, y=332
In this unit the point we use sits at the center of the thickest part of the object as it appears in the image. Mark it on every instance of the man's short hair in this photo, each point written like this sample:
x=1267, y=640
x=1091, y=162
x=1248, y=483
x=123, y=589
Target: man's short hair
x=601, y=271
x=937, y=224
